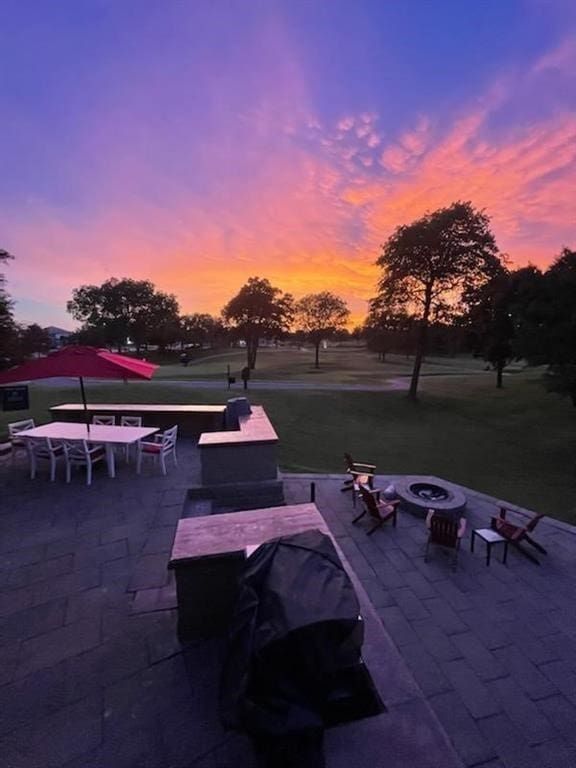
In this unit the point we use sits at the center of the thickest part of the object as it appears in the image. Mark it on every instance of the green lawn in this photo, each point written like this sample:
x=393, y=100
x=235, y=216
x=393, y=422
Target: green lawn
x=345, y=364
x=517, y=443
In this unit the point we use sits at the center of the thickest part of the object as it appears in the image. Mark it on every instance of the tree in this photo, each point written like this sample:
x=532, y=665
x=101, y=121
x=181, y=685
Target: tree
x=320, y=316
x=200, y=329
x=119, y=310
x=387, y=329
x=428, y=264
x=160, y=323
x=8, y=328
x=258, y=311
x=490, y=318
x=33, y=340
x=547, y=323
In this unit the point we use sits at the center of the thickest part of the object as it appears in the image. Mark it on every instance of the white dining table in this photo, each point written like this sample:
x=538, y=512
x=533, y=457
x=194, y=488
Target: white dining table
x=107, y=435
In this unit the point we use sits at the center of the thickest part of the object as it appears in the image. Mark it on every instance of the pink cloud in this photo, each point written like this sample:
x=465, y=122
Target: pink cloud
x=345, y=124
x=561, y=59
x=279, y=195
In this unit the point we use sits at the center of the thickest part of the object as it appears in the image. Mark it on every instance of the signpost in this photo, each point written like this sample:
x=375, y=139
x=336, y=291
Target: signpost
x=15, y=398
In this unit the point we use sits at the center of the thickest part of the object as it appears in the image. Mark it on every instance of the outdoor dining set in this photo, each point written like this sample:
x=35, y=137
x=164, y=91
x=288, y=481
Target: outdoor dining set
x=85, y=445
x=88, y=442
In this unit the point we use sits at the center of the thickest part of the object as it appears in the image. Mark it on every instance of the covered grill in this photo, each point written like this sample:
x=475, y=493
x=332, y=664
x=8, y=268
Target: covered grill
x=293, y=664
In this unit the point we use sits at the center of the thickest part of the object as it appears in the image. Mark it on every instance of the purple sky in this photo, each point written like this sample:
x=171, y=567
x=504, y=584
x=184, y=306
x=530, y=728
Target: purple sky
x=200, y=142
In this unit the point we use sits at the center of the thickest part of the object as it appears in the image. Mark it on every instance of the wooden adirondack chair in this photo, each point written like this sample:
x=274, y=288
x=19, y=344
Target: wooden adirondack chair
x=517, y=533
x=360, y=474
x=446, y=532
x=380, y=510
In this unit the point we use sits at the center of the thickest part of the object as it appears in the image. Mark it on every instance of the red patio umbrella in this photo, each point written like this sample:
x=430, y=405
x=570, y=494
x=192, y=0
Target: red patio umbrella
x=81, y=362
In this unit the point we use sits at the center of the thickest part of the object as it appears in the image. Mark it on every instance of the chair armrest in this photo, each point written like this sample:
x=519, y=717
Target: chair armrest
x=143, y=443
x=429, y=517
x=361, y=474
x=389, y=502
x=462, y=527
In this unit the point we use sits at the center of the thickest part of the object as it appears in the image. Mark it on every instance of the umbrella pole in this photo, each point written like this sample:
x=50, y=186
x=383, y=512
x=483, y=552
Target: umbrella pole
x=86, y=414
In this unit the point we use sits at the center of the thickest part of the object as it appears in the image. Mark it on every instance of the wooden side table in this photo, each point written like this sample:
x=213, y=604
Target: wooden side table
x=491, y=538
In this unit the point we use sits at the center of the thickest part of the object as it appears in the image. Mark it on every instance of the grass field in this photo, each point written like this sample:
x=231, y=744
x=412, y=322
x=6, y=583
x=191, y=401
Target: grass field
x=346, y=364
x=517, y=443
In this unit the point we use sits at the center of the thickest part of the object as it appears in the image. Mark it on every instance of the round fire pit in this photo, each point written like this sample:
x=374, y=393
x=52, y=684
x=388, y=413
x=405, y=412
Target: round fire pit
x=419, y=494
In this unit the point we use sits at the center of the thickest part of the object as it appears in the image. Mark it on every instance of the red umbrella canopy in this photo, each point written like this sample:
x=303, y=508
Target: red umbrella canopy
x=84, y=362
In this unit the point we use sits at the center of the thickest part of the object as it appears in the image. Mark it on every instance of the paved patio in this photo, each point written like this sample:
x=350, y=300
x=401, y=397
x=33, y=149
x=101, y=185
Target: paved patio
x=493, y=649
x=91, y=673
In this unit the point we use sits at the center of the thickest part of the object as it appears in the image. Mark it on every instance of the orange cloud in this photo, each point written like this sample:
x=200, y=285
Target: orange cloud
x=285, y=195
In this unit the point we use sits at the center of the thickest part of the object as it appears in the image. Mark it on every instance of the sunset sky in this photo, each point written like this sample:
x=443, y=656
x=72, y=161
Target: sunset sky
x=200, y=142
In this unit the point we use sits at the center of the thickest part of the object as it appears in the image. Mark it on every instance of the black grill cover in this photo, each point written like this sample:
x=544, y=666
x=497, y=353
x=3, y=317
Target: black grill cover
x=295, y=625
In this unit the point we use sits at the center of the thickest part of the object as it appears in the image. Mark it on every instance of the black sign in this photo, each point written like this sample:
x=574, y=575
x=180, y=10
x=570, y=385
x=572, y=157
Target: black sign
x=15, y=398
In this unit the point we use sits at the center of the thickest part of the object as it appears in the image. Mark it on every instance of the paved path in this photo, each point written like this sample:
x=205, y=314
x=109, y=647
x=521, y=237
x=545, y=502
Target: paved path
x=397, y=383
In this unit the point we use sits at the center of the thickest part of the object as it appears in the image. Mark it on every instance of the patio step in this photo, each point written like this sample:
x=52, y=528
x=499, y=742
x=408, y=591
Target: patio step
x=239, y=496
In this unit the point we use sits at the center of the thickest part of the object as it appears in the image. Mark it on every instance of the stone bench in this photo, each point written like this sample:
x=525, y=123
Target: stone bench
x=208, y=556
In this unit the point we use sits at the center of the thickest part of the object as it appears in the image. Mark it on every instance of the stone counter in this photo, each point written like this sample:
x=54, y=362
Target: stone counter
x=247, y=454
x=192, y=420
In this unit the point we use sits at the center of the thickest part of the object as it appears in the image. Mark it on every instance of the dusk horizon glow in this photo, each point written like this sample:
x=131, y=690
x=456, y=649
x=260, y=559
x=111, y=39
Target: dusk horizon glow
x=198, y=144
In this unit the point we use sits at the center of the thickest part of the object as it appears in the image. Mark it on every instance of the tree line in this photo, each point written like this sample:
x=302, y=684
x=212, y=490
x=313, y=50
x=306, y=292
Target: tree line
x=444, y=286
x=443, y=275
x=125, y=311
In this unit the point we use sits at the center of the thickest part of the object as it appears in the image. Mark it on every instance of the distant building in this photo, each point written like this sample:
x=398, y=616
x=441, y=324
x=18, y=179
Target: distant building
x=58, y=336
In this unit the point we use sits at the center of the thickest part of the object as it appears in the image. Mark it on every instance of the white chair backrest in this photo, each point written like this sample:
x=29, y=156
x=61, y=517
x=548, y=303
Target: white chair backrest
x=41, y=445
x=104, y=420
x=20, y=426
x=169, y=438
x=76, y=449
x=131, y=421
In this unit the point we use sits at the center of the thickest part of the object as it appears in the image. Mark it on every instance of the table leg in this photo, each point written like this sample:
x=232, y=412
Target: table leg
x=472, y=541
x=488, y=551
x=505, y=556
x=110, y=460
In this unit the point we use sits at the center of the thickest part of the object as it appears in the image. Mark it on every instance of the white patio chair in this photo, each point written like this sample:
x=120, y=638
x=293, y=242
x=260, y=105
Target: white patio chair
x=104, y=420
x=130, y=421
x=78, y=453
x=19, y=444
x=43, y=449
x=164, y=445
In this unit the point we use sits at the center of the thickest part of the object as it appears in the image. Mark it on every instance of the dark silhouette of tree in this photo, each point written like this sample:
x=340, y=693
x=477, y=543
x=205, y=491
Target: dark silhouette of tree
x=491, y=321
x=387, y=329
x=161, y=323
x=8, y=328
x=124, y=309
x=258, y=311
x=33, y=340
x=321, y=316
x=200, y=329
x=428, y=264
x=546, y=319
